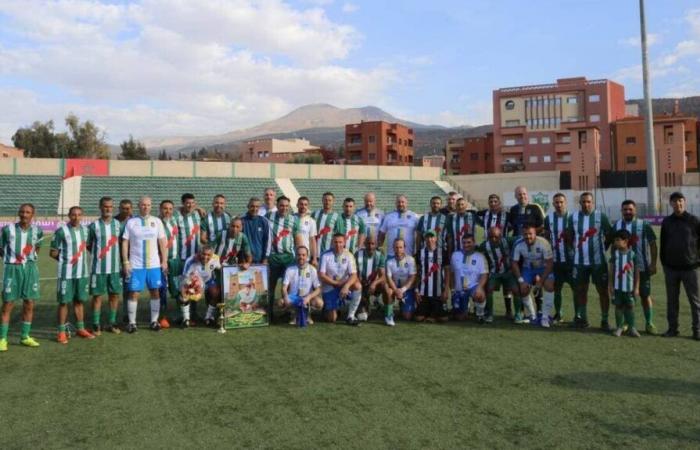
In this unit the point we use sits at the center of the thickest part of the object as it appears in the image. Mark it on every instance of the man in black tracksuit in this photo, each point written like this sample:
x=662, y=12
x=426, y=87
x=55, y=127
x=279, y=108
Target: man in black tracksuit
x=680, y=257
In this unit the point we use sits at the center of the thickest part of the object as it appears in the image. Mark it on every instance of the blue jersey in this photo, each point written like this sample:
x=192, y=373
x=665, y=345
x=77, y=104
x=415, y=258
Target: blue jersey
x=257, y=230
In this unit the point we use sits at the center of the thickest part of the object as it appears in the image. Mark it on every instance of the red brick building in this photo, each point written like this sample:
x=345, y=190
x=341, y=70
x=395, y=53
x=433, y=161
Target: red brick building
x=470, y=155
x=378, y=143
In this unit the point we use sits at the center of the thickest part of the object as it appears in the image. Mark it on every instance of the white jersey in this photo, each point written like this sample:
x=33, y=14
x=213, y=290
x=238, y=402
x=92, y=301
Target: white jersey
x=206, y=271
x=373, y=220
x=143, y=234
x=399, y=225
x=301, y=280
x=401, y=270
x=467, y=269
x=339, y=267
x=307, y=228
x=533, y=256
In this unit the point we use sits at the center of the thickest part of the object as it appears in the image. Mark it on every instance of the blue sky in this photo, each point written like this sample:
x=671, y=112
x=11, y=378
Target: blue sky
x=177, y=67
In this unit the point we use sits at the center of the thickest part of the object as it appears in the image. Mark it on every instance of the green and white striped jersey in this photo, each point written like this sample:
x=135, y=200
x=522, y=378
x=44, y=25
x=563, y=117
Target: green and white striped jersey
x=171, y=233
x=231, y=250
x=189, y=234
x=497, y=255
x=352, y=227
x=368, y=265
x=215, y=225
x=641, y=234
x=103, y=240
x=436, y=222
x=431, y=274
x=71, y=243
x=589, y=232
x=555, y=226
x=458, y=225
x=325, y=224
x=19, y=245
x=623, y=265
x=283, y=229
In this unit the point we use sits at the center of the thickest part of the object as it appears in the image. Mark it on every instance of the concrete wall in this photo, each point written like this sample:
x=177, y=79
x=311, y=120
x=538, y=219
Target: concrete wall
x=130, y=168
x=38, y=166
x=7, y=166
x=291, y=171
x=327, y=171
x=182, y=169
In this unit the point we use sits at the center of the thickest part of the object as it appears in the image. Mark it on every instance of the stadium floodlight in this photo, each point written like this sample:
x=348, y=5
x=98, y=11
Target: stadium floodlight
x=652, y=188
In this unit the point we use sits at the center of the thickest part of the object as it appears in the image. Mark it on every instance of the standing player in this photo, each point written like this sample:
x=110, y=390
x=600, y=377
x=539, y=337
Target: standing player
x=234, y=248
x=371, y=215
x=307, y=227
x=624, y=281
x=338, y=275
x=144, y=256
x=257, y=229
x=216, y=221
x=399, y=224
x=555, y=231
x=170, y=284
x=459, y=223
x=19, y=247
x=495, y=216
x=351, y=226
x=126, y=210
x=498, y=255
x=105, y=276
x=371, y=267
x=431, y=290
x=433, y=220
x=269, y=205
x=525, y=212
x=451, y=205
x=533, y=267
x=643, y=241
x=589, y=230
x=301, y=285
x=469, y=274
x=68, y=247
x=189, y=225
x=400, y=281
x=325, y=222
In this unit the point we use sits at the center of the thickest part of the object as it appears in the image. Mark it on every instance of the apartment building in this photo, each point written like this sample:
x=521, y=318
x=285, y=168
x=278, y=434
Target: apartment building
x=378, y=143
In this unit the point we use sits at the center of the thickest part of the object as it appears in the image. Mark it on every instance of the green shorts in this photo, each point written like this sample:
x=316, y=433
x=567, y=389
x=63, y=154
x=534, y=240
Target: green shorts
x=175, y=267
x=562, y=274
x=106, y=283
x=505, y=279
x=72, y=290
x=584, y=274
x=621, y=298
x=20, y=282
x=644, y=284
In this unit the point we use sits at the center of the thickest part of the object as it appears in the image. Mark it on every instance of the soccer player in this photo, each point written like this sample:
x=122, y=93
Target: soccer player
x=307, y=226
x=189, y=225
x=643, y=241
x=269, y=200
x=459, y=223
x=105, y=275
x=433, y=220
x=145, y=259
x=371, y=267
x=371, y=215
x=285, y=236
x=216, y=221
x=624, y=281
x=126, y=210
x=451, y=205
x=400, y=281
x=555, y=232
x=525, y=212
x=325, y=223
x=205, y=263
x=588, y=229
x=338, y=275
x=19, y=248
x=495, y=215
x=399, y=224
x=533, y=267
x=301, y=285
x=257, y=229
x=497, y=251
x=351, y=226
x=68, y=247
x=469, y=273
x=170, y=284
x=234, y=248
x=431, y=291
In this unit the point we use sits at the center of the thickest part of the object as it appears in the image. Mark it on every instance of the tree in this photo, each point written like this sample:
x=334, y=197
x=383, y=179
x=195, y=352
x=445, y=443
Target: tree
x=81, y=141
x=163, y=156
x=86, y=140
x=132, y=149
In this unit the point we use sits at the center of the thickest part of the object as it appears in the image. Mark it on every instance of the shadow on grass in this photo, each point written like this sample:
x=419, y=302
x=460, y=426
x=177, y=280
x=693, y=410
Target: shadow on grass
x=615, y=382
x=654, y=435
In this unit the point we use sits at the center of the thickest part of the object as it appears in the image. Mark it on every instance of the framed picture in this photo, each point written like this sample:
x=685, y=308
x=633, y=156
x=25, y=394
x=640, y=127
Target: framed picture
x=245, y=296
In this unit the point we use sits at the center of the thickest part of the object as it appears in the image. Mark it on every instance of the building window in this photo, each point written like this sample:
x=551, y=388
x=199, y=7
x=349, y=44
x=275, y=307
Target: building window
x=571, y=100
x=668, y=134
x=371, y=139
x=533, y=159
x=510, y=104
x=410, y=142
x=594, y=98
x=513, y=123
x=558, y=101
x=532, y=141
x=566, y=139
x=572, y=119
x=474, y=156
x=546, y=140
x=631, y=160
x=372, y=156
x=510, y=142
x=631, y=140
x=260, y=154
x=595, y=118
x=546, y=158
x=582, y=138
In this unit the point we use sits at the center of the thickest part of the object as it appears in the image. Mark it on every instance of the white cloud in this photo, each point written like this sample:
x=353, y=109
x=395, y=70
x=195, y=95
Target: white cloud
x=479, y=112
x=635, y=41
x=349, y=8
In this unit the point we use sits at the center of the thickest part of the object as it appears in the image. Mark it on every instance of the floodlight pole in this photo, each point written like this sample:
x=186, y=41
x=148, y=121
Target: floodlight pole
x=652, y=192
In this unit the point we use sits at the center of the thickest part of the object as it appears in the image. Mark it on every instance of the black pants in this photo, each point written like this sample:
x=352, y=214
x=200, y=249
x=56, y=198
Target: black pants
x=690, y=279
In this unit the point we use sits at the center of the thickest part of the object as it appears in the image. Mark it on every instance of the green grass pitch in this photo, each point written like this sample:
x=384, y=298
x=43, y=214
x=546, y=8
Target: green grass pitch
x=414, y=386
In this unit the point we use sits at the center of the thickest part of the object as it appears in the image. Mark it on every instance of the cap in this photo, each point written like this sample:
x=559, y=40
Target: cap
x=429, y=233
x=676, y=195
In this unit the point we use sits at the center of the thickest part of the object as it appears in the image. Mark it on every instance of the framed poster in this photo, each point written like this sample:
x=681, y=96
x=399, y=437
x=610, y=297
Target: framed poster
x=245, y=296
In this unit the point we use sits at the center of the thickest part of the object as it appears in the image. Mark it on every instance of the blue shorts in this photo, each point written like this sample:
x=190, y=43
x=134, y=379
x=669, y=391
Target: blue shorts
x=332, y=300
x=529, y=275
x=408, y=305
x=141, y=278
x=460, y=300
x=295, y=300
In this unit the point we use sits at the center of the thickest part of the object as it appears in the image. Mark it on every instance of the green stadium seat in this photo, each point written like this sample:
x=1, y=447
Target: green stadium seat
x=41, y=190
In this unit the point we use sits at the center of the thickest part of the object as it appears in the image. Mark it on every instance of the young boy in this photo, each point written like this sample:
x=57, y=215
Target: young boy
x=624, y=282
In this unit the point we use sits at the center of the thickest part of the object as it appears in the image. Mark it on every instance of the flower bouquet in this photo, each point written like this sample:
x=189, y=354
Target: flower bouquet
x=192, y=287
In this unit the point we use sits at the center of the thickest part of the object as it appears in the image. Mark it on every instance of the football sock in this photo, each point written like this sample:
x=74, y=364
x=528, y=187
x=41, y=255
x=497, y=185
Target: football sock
x=518, y=306
x=164, y=296
x=489, y=303
x=508, y=302
x=193, y=309
x=185, y=309
x=389, y=310
x=557, y=302
x=529, y=309
x=211, y=310
x=26, y=327
x=131, y=307
x=479, y=307
x=538, y=301
x=62, y=328
x=155, y=309
x=629, y=317
x=604, y=316
x=4, y=329
x=96, y=317
x=113, y=316
x=547, y=303
x=355, y=297
x=648, y=314
x=619, y=317
x=80, y=325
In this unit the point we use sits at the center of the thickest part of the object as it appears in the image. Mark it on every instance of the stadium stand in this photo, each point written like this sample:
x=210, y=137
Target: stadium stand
x=41, y=190
x=418, y=192
x=236, y=190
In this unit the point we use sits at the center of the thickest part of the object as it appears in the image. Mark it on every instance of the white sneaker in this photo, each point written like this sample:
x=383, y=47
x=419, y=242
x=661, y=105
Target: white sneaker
x=544, y=322
x=362, y=317
x=293, y=320
x=488, y=319
x=389, y=320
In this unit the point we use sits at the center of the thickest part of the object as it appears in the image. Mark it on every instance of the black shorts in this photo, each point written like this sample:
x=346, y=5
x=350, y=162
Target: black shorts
x=431, y=307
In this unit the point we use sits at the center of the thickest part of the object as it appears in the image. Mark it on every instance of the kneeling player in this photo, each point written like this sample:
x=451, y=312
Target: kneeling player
x=204, y=263
x=301, y=286
x=338, y=275
x=431, y=292
x=470, y=273
x=370, y=270
x=497, y=252
x=624, y=282
x=535, y=255
x=400, y=280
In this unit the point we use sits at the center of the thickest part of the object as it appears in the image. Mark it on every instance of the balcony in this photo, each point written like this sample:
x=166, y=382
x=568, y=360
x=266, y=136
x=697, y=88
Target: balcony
x=512, y=149
x=454, y=165
x=510, y=166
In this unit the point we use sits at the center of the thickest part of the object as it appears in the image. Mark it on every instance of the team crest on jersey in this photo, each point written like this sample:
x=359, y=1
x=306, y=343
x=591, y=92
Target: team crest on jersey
x=152, y=224
x=308, y=275
x=473, y=262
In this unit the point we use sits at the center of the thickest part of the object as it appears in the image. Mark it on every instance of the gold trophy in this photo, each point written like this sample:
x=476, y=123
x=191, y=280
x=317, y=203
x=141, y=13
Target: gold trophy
x=222, y=317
